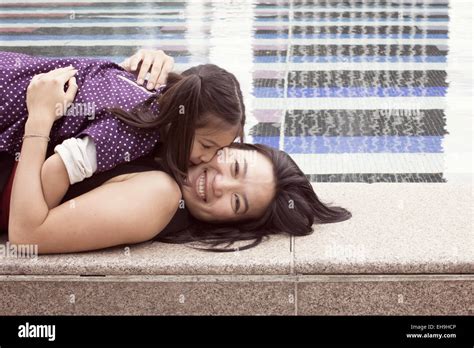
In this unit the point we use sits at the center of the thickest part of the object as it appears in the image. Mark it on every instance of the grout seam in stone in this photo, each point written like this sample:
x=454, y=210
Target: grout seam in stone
x=299, y=278
x=296, y=297
x=282, y=127
x=285, y=81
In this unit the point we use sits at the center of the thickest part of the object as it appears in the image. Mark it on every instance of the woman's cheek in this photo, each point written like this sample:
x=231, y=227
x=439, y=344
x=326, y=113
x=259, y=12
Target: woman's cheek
x=220, y=211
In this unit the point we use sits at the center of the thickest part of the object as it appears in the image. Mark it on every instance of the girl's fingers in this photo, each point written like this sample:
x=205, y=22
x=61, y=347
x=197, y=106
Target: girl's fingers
x=135, y=60
x=146, y=64
x=165, y=70
x=126, y=64
x=156, y=73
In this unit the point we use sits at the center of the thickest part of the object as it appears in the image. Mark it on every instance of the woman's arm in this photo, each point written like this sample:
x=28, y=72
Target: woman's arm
x=28, y=208
x=46, y=100
x=115, y=213
x=127, y=212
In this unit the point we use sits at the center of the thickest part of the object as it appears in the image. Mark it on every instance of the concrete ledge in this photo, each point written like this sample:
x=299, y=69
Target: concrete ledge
x=395, y=229
x=237, y=295
x=273, y=257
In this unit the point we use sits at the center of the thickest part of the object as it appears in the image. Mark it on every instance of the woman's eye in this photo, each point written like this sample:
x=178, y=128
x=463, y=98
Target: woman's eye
x=237, y=203
x=205, y=146
x=236, y=170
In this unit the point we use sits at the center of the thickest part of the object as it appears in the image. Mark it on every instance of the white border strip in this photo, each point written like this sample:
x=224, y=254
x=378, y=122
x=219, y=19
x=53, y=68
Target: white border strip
x=369, y=103
x=200, y=41
x=91, y=24
x=210, y=9
x=345, y=163
x=75, y=10
x=158, y=1
x=53, y=2
x=410, y=23
x=279, y=67
x=363, y=66
x=308, y=8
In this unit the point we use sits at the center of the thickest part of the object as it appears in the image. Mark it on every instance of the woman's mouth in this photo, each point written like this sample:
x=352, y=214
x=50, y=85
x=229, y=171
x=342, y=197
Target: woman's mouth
x=201, y=186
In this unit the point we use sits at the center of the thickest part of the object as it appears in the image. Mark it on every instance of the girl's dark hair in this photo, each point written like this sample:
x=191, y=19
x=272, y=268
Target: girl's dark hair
x=293, y=210
x=200, y=96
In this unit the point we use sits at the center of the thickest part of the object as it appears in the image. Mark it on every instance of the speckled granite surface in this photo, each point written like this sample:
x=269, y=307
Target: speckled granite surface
x=396, y=295
x=395, y=229
x=237, y=295
x=273, y=257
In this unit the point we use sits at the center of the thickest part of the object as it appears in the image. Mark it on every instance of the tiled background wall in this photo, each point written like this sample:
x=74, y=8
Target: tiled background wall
x=355, y=90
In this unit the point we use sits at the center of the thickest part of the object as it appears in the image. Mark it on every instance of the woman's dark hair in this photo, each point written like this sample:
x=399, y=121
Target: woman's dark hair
x=204, y=95
x=293, y=210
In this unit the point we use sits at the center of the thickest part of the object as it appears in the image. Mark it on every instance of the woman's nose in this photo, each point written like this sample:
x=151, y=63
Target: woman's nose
x=223, y=184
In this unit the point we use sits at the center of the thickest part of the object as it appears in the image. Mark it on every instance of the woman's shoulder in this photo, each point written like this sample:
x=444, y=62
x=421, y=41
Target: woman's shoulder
x=159, y=182
x=158, y=196
x=163, y=197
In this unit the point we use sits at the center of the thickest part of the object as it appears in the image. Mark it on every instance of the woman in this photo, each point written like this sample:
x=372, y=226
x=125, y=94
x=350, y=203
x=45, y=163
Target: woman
x=246, y=192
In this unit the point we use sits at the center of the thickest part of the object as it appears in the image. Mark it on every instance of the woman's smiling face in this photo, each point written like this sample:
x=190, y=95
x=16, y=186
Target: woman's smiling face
x=235, y=185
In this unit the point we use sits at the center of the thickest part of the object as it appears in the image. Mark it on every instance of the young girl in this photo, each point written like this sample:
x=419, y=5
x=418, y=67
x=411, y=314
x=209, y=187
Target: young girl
x=113, y=120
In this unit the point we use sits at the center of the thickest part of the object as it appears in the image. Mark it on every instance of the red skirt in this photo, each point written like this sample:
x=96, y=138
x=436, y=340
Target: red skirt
x=5, y=201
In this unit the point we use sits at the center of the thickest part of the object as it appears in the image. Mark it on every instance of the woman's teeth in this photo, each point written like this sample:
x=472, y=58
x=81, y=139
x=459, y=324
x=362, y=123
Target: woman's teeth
x=202, y=186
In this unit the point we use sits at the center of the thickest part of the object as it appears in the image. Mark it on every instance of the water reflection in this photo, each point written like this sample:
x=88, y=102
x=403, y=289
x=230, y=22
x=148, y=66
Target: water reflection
x=320, y=78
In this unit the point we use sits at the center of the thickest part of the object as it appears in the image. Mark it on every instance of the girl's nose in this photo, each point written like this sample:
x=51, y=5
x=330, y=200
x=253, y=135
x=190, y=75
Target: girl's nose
x=195, y=160
x=206, y=157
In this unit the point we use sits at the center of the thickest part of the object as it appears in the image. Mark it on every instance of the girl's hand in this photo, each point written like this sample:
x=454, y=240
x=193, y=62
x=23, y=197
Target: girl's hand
x=45, y=96
x=160, y=64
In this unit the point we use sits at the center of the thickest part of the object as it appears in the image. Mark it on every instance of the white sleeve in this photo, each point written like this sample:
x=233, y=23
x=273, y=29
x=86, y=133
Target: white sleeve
x=79, y=157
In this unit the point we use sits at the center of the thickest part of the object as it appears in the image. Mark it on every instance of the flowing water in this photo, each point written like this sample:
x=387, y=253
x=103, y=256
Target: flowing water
x=355, y=90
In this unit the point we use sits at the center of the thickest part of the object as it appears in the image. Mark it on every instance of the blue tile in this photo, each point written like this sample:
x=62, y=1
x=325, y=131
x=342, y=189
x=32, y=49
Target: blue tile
x=366, y=144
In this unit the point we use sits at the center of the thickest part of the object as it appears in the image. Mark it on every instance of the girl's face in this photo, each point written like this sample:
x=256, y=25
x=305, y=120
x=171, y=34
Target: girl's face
x=235, y=185
x=208, y=140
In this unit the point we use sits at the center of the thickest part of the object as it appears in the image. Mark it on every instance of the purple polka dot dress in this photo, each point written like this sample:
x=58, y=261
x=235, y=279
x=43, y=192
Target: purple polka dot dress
x=101, y=84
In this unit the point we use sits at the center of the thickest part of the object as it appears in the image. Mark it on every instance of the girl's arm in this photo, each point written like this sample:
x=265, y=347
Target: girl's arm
x=74, y=160
x=54, y=180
